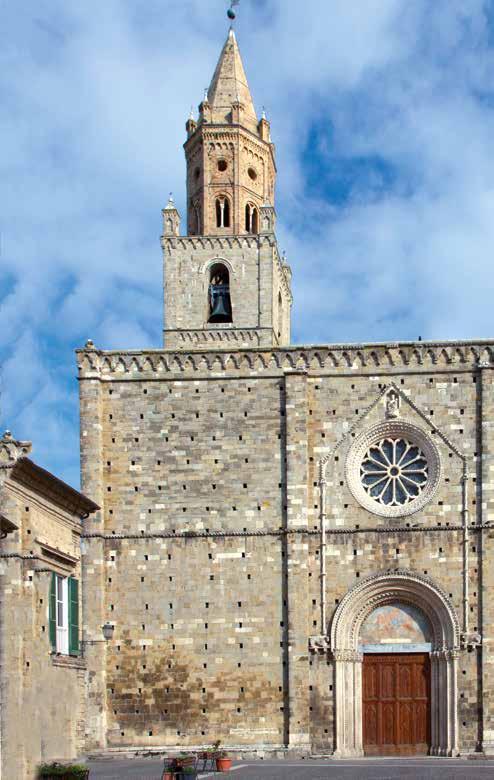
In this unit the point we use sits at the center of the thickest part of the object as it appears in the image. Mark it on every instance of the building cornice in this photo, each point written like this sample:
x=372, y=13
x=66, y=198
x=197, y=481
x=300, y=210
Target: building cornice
x=351, y=359
x=40, y=481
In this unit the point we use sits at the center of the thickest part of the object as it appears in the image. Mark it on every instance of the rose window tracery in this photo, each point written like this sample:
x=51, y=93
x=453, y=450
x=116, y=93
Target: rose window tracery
x=393, y=468
x=394, y=472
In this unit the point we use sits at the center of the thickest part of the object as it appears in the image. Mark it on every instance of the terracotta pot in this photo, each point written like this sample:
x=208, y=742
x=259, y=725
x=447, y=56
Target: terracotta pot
x=167, y=775
x=223, y=764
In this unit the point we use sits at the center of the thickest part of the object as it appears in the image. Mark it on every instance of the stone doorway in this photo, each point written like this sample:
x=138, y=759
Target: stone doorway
x=396, y=704
x=421, y=594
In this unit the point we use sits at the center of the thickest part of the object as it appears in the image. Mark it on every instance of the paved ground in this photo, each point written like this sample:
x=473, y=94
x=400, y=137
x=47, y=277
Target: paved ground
x=370, y=769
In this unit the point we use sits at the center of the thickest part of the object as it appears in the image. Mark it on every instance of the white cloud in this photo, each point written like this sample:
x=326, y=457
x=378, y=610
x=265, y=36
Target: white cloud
x=95, y=96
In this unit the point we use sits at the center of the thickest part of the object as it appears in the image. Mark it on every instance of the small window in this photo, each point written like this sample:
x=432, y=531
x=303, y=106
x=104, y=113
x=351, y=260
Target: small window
x=197, y=173
x=252, y=174
x=194, y=218
x=64, y=615
x=251, y=219
x=222, y=212
x=222, y=165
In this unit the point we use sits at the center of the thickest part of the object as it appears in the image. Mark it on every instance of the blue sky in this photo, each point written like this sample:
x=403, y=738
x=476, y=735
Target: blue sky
x=383, y=116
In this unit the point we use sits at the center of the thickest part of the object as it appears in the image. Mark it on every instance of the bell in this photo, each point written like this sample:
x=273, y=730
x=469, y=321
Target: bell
x=220, y=303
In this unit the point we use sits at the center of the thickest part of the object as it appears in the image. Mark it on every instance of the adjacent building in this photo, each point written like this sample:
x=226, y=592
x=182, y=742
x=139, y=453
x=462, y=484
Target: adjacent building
x=42, y=670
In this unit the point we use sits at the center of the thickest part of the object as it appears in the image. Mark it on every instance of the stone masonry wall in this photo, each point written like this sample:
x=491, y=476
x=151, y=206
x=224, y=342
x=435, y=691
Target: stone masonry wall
x=207, y=445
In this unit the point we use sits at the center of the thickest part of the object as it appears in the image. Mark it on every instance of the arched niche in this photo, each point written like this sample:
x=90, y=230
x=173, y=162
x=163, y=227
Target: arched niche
x=422, y=595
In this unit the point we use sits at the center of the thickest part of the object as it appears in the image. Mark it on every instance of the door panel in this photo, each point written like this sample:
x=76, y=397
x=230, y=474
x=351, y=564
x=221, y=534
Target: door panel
x=396, y=704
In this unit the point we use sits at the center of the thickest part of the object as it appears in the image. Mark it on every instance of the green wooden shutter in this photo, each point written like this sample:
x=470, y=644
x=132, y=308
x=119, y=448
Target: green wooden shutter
x=73, y=616
x=52, y=611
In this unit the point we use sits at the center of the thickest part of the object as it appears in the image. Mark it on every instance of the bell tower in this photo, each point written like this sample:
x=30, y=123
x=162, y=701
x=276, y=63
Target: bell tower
x=226, y=284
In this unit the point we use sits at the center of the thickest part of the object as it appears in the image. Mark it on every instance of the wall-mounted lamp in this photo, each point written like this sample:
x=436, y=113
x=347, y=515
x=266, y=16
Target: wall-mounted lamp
x=107, y=630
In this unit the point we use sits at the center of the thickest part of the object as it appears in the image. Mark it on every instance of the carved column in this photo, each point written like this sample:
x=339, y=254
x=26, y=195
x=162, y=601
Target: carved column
x=444, y=703
x=297, y=558
x=348, y=695
x=435, y=704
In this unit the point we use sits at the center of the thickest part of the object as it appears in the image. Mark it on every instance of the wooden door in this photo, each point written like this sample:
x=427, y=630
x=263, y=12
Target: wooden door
x=396, y=704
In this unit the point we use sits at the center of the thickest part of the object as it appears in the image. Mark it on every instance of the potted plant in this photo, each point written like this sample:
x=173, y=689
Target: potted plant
x=57, y=771
x=208, y=757
x=223, y=763
x=169, y=771
x=186, y=761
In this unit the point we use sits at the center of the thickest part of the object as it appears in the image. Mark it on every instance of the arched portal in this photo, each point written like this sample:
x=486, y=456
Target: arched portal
x=420, y=593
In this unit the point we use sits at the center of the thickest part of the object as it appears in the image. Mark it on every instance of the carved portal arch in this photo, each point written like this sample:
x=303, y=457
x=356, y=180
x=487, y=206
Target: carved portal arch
x=378, y=590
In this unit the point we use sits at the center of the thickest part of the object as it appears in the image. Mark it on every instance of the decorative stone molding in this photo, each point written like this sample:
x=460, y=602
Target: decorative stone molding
x=470, y=640
x=338, y=358
x=209, y=242
x=348, y=656
x=319, y=644
x=217, y=259
x=11, y=450
x=401, y=585
x=392, y=429
x=218, y=335
x=387, y=587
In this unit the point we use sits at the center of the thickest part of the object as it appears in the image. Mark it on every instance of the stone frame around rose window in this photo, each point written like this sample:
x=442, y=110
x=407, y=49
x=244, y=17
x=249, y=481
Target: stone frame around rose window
x=393, y=429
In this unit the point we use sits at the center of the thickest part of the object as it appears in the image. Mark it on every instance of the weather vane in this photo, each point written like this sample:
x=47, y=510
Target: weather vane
x=231, y=13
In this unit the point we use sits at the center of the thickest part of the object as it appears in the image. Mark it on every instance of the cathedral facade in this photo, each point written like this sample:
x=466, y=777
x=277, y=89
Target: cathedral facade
x=293, y=542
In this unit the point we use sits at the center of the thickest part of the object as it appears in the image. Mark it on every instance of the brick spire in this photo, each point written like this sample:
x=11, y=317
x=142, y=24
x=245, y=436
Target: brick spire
x=229, y=87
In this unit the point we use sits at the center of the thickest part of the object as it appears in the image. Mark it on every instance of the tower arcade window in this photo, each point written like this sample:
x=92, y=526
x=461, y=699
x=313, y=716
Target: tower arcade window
x=195, y=219
x=222, y=212
x=219, y=302
x=251, y=218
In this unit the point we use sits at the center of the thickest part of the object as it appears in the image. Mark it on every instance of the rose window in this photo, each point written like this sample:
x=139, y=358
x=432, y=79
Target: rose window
x=394, y=472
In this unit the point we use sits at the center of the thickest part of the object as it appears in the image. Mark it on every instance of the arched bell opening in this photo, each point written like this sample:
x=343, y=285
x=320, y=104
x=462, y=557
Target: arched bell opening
x=219, y=301
x=251, y=219
x=222, y=212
